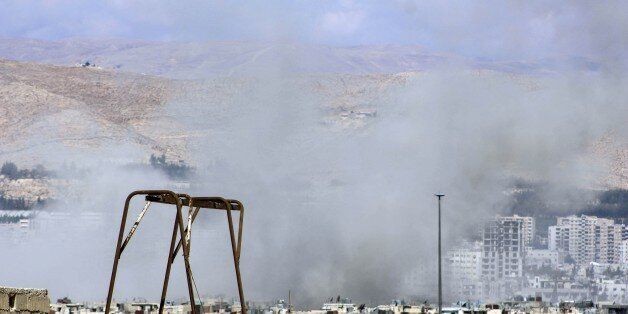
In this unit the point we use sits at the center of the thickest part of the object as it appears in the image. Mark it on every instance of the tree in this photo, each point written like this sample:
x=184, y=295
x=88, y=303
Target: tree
x=9, y=170
x=173, y=170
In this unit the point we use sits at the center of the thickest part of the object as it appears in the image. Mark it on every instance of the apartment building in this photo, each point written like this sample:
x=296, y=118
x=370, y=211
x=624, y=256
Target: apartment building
x=502, y=256
x=623, y=253
x=587, y=239
x=502, y=248
x=527, y=228
x=463, y=271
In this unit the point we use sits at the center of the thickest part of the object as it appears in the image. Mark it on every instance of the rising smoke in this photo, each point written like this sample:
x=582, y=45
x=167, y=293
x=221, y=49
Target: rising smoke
x=333, y=209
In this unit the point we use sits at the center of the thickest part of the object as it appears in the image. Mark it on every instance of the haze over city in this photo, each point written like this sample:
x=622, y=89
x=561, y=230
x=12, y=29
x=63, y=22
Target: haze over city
x=334, y=123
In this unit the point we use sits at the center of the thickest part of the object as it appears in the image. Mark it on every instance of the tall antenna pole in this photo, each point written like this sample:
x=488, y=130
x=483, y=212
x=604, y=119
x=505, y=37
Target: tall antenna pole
x=440, y=278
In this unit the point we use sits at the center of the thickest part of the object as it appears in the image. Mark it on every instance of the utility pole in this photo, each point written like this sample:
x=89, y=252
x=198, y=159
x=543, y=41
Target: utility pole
x=440, y=278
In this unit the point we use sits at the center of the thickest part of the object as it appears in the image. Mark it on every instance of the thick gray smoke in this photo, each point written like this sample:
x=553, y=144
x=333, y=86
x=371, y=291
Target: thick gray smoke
x=351, y=211
x=331, y=208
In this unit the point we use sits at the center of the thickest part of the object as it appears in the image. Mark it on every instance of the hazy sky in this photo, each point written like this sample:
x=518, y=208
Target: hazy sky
x=490, y=29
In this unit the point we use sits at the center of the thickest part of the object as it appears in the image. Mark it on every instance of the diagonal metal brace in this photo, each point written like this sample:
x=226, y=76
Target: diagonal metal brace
x=134, y=227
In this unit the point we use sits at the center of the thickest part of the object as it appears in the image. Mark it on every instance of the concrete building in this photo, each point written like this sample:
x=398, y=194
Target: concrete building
x=623, y=252
x=587, y=239
x=556, y=238
x=612, y=290
x=554, y=290
x=21, y=300
x=541, y=258
x=463, y=271
x=527, y=227
x=502, y=257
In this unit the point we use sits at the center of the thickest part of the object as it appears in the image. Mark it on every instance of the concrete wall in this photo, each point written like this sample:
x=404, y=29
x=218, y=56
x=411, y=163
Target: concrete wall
x=23, y=301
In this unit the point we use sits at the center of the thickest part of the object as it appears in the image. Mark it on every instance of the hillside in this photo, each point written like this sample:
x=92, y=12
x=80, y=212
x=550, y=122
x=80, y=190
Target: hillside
x=194, y=60
x=90, y=109
x=57, y=114
x=44, y=105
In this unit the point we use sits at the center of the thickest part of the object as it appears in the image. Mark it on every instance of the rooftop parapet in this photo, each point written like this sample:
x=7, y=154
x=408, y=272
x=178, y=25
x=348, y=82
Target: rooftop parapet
x=24, y=300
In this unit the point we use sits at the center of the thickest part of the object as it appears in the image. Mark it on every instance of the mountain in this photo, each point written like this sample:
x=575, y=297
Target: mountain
x=194, y=60
x=45, y=105
x=89, y=109
x=144, y=98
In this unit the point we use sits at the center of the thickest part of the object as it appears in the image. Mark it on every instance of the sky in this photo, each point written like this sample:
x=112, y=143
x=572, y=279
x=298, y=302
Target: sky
x=481, y=29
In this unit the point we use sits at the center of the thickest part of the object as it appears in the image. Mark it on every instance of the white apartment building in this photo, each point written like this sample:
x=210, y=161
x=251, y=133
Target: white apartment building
x=623, y=253
x=463, y=271
x=587, y=239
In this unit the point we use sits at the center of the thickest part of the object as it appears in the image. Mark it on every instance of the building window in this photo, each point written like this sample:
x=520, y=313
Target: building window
x=12, y=301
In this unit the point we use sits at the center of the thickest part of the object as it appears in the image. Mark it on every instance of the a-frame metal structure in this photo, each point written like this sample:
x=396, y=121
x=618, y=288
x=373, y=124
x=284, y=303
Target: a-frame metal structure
x=194, y=204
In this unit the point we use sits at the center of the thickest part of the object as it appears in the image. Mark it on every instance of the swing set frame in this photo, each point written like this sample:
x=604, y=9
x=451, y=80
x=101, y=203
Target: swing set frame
x=194, y=204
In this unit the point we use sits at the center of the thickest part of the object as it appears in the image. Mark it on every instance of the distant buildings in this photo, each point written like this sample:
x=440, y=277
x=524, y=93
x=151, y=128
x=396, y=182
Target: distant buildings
x=623, y=252
x=586, y=258
x=587, y=239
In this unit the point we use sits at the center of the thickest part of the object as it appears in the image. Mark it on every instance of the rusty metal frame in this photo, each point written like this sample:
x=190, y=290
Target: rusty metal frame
x=196, y=203
x=178, y=224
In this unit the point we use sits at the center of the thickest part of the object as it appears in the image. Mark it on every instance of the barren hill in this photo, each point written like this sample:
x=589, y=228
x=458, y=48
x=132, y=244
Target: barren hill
x=55, y=112
x=45, y=105
x=88, y=108
x=194, y=60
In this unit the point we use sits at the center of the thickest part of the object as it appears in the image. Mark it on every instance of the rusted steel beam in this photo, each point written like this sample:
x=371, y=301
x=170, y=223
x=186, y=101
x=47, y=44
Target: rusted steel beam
x=236, y=250
x=236, y=244
x=134, y=228
x=233, y=202
x=178, y=223
x=186, y=250
x=202, y=202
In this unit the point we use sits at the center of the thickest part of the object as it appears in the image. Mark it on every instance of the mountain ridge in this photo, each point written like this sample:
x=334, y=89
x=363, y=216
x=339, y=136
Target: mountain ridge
x=197, y=60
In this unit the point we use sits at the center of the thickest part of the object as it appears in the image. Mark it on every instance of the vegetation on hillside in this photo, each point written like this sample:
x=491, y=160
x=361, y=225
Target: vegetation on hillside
x=174, y=170
x=546, y=202
x=611, y=204
x=19, y=203
x=11, y=171
x=534, y=199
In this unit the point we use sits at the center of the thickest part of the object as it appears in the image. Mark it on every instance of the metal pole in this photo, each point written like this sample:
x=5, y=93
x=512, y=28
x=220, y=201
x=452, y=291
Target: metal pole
x=440, y=279
x=236, y=255
x=186, y=250
x=116, y=257
x=171, y=255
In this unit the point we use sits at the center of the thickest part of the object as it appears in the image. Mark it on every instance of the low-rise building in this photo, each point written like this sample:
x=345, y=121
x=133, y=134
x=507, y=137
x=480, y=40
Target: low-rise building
x=541, y=258
x=612, y=290
x=22, y=300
